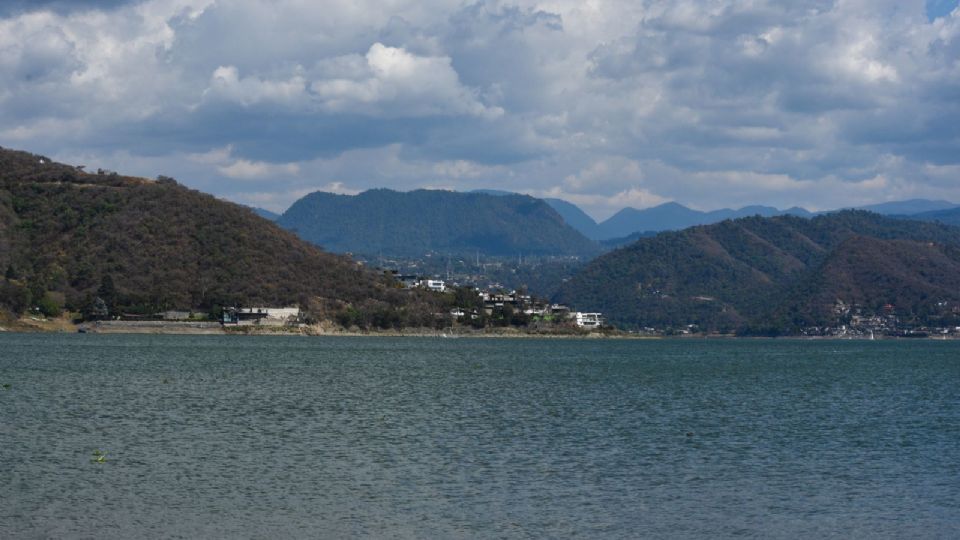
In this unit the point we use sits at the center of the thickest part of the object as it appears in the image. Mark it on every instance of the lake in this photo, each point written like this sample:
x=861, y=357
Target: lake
x=295, y=437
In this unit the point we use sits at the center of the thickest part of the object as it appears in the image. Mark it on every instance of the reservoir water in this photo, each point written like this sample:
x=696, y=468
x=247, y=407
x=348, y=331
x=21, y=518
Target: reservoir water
x=114, y=436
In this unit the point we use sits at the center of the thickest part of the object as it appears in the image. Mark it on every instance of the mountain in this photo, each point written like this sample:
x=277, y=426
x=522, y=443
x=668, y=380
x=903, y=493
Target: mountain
x=949, y=216
x=67, y=236
x=575, y=217
x=667, y=216
x=674, y=216
x=797, y=211
x=265, y=214
x=782, y=271
x=908, y=207
x=571, y=213
x=418, y=222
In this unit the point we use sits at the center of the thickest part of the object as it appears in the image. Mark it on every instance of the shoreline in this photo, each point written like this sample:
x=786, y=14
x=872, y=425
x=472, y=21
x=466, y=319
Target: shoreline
x=65, y=325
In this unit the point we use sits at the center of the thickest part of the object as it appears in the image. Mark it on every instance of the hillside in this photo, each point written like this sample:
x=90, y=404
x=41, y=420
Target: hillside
x=423, y=221
x=902, y=277
x=740, y=273
x=67, y=236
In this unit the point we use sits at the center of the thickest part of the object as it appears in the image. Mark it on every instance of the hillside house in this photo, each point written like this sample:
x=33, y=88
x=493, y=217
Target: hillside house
x=435, y=285
x=589, y=321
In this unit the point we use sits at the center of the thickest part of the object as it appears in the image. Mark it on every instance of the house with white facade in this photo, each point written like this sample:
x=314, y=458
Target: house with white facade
x=587, y=320
x=436, y=285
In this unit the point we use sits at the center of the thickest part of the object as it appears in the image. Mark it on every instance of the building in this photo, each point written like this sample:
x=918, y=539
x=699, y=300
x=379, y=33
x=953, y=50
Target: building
x=265, y=316
x=436, y=285
x=587, y=320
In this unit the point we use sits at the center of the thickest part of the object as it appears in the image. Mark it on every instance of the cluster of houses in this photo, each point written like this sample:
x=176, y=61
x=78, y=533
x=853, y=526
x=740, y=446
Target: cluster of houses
x=858, y=322
x=493, y=300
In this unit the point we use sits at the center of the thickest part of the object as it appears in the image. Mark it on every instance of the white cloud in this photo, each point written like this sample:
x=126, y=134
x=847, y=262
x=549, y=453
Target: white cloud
x=230, y=166
x=393, y=82
x=244, y=169
x=226, y=83
x=707, y=102
x=460, y=168
x=601, y=207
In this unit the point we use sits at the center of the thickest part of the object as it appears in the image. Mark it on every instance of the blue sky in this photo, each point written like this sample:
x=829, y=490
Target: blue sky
x=815, y=103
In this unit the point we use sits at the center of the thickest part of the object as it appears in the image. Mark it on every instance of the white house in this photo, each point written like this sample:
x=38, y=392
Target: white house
x=436, y=285
x=587, y=320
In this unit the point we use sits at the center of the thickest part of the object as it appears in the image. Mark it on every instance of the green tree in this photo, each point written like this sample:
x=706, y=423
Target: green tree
x=49, y=307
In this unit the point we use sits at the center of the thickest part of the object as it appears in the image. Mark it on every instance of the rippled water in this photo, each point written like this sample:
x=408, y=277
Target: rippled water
x=226, y=437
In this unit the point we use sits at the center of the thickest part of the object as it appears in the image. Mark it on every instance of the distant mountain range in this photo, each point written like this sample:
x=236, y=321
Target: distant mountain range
x=672, y=216
x=382, y=221
x=908, y=207
x=949, y=216
x=776, y=273
x=496, y=222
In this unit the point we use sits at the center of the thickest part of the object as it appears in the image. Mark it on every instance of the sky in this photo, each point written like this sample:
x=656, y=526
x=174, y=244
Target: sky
x=606, y=104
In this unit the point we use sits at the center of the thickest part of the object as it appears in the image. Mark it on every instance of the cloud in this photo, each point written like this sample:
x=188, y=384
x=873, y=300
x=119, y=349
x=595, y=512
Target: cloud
x=229, y=166
x=710, y=103
x=390, y=81
x=601, y=207
x=245, y=169
x=226, y=84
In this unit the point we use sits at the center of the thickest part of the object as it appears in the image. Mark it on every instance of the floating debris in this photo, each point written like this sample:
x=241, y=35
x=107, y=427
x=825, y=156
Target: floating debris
x=99, y=456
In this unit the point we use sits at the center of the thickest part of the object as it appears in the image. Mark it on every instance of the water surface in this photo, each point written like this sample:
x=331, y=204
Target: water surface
x=289, y=437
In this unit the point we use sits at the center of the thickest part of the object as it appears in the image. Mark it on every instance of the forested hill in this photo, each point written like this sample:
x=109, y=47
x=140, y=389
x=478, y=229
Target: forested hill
x=778, y=273
x=417, y=222
x=67, y=235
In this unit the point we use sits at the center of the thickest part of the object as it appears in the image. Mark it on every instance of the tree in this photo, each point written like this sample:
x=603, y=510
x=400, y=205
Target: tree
x=107, y=292
x=48, y=306
x=14, y=296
